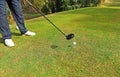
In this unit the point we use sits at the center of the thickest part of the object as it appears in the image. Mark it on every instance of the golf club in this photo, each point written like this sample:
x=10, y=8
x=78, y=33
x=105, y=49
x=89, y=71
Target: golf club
x=68, y=37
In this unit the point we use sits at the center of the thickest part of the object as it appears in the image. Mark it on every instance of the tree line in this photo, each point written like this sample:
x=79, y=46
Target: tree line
x=52, y=6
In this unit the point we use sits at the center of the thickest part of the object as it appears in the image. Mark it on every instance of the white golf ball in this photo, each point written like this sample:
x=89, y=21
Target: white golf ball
x=74, y=43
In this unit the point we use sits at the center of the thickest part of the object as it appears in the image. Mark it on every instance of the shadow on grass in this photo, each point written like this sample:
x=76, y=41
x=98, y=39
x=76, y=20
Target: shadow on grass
x=1, y=40
x=16, y=34
x=54, y=46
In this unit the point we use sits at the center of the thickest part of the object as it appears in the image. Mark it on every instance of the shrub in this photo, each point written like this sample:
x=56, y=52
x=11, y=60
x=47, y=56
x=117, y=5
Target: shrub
x=73, y=7
x=69, y=7
x=10, y=18
x=77, y=6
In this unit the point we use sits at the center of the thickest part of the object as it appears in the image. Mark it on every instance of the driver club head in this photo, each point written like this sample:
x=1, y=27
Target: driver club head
x=70, y=36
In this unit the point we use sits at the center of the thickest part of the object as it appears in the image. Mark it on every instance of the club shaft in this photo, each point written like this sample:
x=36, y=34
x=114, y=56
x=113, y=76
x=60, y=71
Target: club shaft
x=37, y=9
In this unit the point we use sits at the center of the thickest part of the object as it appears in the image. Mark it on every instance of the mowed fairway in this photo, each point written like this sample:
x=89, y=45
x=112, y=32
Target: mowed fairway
x=49, y=54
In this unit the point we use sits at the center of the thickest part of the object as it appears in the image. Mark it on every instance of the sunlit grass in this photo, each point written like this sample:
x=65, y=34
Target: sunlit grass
x=49, y=54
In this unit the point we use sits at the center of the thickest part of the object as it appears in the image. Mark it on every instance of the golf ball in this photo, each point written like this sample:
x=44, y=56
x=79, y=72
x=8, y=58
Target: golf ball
x=74, y=43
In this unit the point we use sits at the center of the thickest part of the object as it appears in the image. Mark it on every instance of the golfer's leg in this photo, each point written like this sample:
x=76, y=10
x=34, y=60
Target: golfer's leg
x=4, y=27
x=16, y=9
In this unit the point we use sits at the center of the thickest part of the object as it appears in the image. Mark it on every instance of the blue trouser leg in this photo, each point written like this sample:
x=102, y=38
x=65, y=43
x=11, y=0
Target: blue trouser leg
x=16, y=9
x=4, y=27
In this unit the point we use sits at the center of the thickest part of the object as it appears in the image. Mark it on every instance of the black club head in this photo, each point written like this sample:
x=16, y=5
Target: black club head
x=70, y=36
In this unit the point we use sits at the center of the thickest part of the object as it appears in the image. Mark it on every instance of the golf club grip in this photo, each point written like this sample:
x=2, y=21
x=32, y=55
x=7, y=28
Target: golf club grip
x=37, y=9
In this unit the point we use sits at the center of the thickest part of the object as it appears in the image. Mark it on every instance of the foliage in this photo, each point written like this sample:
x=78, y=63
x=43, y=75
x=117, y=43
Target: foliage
x=9, y=15
x=39, y=3
x=51, y=6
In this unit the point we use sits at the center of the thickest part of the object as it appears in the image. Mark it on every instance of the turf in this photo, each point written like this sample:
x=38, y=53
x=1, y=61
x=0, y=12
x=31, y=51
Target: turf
x=112, y=3
x=49, y=54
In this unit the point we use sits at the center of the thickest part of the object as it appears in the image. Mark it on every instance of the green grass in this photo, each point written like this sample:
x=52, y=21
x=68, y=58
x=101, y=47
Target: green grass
x=115, y=0
x=31, y=15
x=113, y=3
x=48, y=54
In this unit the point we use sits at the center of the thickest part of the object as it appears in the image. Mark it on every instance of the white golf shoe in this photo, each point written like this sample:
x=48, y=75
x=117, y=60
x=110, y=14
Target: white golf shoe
x=9, y=42
x=17, y=28
x=29, y=33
